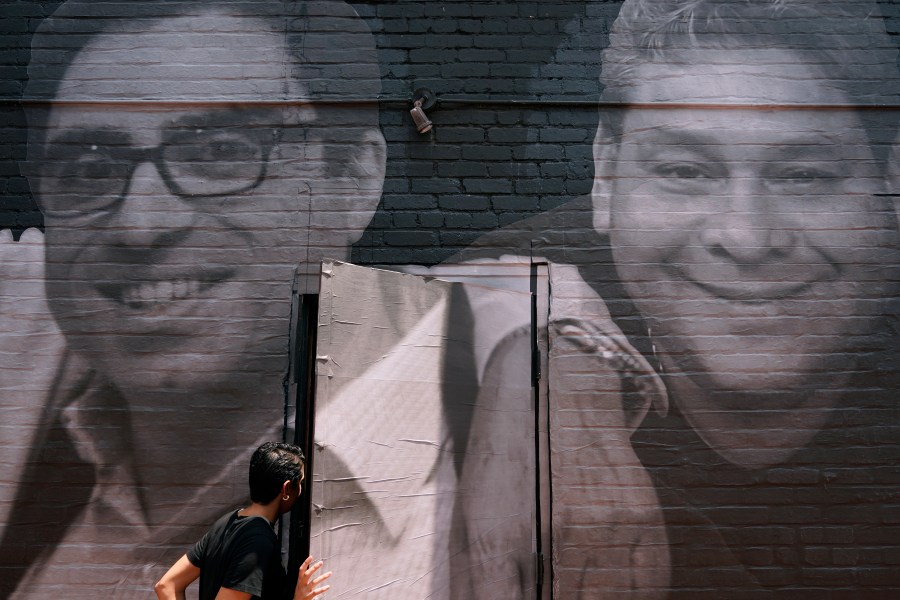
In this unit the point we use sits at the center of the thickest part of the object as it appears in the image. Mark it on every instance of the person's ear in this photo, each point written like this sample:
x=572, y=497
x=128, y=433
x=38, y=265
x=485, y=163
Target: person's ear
x=368, y=163
x=370, y=159
x=605, y=152
x=286, y=488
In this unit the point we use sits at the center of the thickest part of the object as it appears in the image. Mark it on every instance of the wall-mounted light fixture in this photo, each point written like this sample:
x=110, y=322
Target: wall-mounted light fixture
x=423, y=99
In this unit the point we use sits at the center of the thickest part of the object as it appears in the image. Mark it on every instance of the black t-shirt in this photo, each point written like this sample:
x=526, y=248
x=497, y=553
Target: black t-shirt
x=239, y=553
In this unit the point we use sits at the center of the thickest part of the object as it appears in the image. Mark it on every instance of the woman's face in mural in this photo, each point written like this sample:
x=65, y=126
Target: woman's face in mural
x=173, y=230
x=750, y=239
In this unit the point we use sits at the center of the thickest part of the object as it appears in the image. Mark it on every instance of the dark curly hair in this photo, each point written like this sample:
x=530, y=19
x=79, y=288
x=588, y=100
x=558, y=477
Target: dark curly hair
x=271, y=465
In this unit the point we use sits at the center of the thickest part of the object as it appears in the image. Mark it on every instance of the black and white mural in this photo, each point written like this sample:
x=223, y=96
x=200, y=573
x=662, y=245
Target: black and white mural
x=671, y=367
x=190, y=170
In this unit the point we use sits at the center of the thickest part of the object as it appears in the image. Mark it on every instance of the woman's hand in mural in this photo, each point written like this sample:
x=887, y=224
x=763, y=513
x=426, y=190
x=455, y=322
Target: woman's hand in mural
x=30, y=350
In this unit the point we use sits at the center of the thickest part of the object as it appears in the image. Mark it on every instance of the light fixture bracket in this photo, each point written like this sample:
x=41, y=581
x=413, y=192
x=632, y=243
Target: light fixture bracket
x=423, y=99
x=428, y=98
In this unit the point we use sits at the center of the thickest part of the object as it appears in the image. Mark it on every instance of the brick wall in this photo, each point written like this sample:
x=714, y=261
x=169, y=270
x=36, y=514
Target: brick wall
x=722, y=406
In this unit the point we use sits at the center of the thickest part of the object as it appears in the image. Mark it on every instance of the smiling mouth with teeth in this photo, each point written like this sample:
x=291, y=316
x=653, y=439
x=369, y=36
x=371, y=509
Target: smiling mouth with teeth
x=147, y=294
x=140, y=294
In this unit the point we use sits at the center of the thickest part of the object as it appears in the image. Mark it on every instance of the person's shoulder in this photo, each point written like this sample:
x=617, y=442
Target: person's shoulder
x=223, y=521
x=232, y=525
x=220, y=527
x=562, y=234
x=253, y=527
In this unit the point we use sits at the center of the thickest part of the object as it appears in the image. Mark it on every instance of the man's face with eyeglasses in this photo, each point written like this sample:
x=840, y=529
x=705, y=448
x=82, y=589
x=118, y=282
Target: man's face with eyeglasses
x=174, y=224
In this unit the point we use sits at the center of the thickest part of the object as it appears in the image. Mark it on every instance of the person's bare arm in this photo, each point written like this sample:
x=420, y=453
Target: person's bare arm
x=176, y=580
x=307, y=582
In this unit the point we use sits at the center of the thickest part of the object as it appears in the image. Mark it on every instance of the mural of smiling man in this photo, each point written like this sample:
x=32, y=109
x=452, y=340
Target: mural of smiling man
x=757, y=244
x=739, y=249
x=186, y=181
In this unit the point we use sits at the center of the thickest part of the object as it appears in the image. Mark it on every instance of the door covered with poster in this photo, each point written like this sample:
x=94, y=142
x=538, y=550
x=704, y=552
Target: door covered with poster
x=411, y=493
